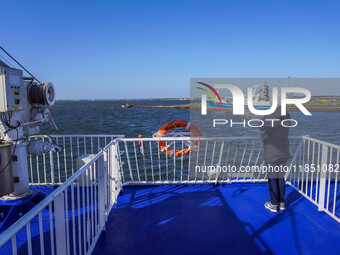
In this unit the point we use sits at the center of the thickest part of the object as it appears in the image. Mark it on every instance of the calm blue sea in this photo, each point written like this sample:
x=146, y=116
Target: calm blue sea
x=107, y=117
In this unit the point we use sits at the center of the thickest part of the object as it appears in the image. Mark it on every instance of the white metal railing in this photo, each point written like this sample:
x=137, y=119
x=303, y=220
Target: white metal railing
x=156, y=167
x=70, y=219
x=153, y=166
x=316, y=174
x=55, y=168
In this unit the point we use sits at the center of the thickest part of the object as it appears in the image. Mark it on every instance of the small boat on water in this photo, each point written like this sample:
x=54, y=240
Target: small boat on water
x=127, y=105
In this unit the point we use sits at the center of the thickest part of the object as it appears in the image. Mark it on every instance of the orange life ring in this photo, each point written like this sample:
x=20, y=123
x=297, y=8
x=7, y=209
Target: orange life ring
x=172, y=125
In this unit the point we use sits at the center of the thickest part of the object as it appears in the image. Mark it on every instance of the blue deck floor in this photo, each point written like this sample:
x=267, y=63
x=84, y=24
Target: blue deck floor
x=207, y=219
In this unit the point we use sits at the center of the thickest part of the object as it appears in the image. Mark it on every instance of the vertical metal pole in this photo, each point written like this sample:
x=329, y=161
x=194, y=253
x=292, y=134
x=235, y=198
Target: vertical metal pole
x=52, y=168
x=182, y=163
x=227, y=160
x=92, y=204
x=307, y=174
x=84, y=209
x=197, y=158
x=66, y=173
x=166, y=160
x=60, y=231
x=219, y=162
x=41, y=234
x=107, y=169
x=329, y=178
x=143, y=155
x=78, y=154
x=79, y=214
x=38, y=168
x=119, y=167
x=323, y=175
x=128, y=160
x=101, y=189
x=73, y=219
x=67, y=222
x=159, y=162
x=112, y=171
x=317, y=174
x=29, y=238
x=31, y=168
x=212, y=160
x=58, y=163
x=312, y=174
x=205, y=158
x=136, y=159
x=175, y=160
x=336, y=184
x=151, y=161
x=241, y=163
x=51, y=228
x=44, y=163
x=71, y=150
x=14, y=245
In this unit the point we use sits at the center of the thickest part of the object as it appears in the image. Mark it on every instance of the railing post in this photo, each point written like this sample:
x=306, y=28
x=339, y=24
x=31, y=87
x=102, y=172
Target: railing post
x=113, y=177
x=115, y=174
x=323, y=176
x=101, y=189
x=60, y=233
x=52, y=168
x=107, y=163
x=293, y=161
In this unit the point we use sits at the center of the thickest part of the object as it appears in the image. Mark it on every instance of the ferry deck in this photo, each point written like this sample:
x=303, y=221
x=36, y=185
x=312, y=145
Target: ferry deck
x=126, y=201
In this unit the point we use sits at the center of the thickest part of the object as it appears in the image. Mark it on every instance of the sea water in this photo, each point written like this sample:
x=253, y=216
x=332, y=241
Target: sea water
x=108, y=117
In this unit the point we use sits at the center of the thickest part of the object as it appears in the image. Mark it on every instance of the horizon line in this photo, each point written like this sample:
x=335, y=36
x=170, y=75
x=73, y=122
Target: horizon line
x=157, y=98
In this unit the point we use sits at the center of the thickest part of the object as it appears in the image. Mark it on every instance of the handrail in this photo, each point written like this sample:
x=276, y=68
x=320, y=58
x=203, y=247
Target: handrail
x=12, y=230
x=195, y=138
x=321, y=142
x=187, y=138
x=89, y=135
x=145, y=167
x=317, y=176
x=60, y=165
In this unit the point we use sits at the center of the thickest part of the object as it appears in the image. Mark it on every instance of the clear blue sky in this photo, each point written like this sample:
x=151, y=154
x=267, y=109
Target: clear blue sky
x=142, y=49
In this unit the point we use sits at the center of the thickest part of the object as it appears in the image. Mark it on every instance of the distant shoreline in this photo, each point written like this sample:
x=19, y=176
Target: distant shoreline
x=142, y=99
x=172, y=99
x=311, y=108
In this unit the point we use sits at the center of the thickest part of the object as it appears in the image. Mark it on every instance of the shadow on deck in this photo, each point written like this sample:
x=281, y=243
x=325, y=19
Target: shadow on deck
x=207, y=219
